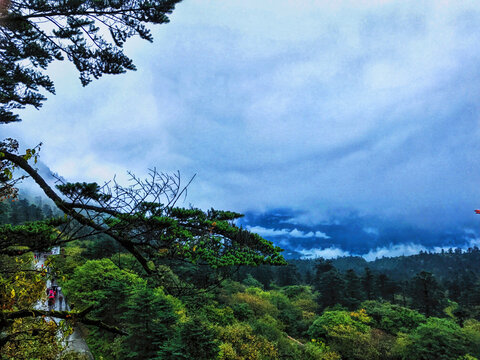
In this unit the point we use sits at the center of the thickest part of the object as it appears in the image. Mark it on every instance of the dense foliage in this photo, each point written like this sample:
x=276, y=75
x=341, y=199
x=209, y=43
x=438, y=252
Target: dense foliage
x=245, y=319
x=261, y=312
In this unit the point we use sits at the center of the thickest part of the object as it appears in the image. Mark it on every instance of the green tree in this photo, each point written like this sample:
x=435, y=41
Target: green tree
x=25, y=337
x=330, y=286
x=368, y=283
x=289, y=314
x=440, y=339
x=250, y=281
x=149, y=321
x=194, y=340
x=143, y=218
x=386, y=287
x=318, y=351
x=347, y=333
x=324, y=324
x=353, y=290
x=427, y=293
x=239, y=342
x=123, y=299
x=471, y=330
x=101, y=284
x=264, y=274
x=287, y=275
x=393, y=319
x=35, y=33
x=154, y=233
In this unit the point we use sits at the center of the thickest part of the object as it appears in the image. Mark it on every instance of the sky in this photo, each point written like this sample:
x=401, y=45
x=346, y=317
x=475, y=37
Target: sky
x=321, y=108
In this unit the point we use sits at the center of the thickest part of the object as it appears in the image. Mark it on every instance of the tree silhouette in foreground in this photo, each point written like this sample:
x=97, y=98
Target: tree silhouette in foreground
x=143, y=219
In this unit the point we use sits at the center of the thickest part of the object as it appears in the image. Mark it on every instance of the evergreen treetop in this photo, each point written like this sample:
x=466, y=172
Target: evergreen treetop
x=33, y=33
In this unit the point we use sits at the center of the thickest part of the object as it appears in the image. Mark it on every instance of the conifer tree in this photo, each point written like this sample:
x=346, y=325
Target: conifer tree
x=151, y=316
x=37, y=32
x=288, y=275
x=329, y=284
x=353, y=290
x=195, y=340
x=368, y=284
x=427, y=293
x=386, y=287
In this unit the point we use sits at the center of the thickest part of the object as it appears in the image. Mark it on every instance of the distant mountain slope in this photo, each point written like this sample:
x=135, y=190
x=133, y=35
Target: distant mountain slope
x=450, y=264
x=352, y=234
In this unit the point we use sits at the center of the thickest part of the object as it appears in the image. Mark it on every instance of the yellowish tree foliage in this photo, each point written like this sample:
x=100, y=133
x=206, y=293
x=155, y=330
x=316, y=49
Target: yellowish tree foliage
x=239, y=342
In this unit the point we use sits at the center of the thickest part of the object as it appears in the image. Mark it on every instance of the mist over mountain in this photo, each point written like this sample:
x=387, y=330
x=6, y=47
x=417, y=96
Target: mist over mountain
x=334, y=233
x=28, y=189
x=345, y=234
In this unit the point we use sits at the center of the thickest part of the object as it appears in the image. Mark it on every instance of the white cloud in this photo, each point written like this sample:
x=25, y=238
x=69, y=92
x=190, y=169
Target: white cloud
x=327, y=253
x=321, y=235
x=300, y=234
x=470, y=231
x=371, y=231
x=472, y=243
x=267, y=232
x=390, y=251
x=394, y=250
x=312, y=217
x=295, y=233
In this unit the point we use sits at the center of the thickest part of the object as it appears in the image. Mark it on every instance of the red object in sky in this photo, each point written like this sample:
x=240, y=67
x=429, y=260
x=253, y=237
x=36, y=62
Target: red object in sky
x=477, y=211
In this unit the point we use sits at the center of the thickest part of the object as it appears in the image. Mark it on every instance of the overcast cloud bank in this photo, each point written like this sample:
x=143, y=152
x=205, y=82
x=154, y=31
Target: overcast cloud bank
x=317, y=106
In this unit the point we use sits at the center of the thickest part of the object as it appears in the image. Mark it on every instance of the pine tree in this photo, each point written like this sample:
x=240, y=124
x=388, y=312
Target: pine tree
x=35, y=33
x=308, y=277
x=353, y=290
x=386, y=287
x=427, y=293
x=150, y=317
x=195, y=340
x=264, y=274
x=288, y=275
x=4, y=212
x=330, y=285
x=368, y=284
x=47, y=211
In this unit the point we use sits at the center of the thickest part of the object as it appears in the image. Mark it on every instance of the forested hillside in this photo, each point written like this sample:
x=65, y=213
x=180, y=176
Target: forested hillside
x=23, y=210
x=312, y=309
x=445, y=264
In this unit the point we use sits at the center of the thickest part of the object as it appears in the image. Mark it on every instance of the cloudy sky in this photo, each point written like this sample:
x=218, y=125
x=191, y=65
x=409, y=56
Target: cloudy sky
x=321, y=107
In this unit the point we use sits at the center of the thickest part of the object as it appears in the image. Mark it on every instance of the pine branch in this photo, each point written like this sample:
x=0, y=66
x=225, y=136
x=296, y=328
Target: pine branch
x=68, y=208
x=66, y=315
